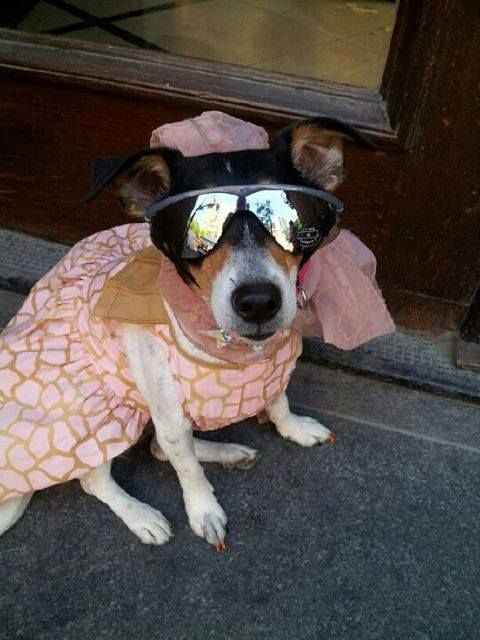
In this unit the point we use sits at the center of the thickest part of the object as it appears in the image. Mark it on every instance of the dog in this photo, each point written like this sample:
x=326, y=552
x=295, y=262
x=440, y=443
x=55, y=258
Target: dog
x=249, y=282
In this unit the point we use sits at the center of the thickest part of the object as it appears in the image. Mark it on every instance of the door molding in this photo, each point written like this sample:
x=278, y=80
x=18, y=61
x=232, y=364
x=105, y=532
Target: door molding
x=390, y=115
x=191, y=81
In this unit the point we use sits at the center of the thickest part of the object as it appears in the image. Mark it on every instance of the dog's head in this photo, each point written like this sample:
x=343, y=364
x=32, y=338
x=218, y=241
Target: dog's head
x=248, y=278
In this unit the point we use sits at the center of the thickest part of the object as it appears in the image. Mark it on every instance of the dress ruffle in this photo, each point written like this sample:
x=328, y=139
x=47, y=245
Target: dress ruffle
x=58, y=417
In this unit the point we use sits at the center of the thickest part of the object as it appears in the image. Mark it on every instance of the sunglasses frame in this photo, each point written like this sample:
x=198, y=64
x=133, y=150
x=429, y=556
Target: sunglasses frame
x=243, y=190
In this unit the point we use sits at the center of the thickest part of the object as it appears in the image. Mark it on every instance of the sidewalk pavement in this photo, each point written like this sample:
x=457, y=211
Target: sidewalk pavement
x=375, y=537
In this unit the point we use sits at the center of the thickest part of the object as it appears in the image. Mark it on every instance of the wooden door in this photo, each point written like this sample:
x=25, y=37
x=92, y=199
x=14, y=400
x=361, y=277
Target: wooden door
x=415, y=201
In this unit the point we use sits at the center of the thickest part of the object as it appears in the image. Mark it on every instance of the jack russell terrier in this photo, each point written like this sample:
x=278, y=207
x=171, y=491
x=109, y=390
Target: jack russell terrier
x=190, y=316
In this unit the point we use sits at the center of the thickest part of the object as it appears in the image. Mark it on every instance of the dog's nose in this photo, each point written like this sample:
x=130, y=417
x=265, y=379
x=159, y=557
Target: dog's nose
x=257, y=302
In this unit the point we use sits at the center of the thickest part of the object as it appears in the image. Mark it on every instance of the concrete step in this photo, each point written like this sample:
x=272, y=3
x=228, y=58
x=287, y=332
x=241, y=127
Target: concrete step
x=10, y=303
x=415, y=359
x=25, y=259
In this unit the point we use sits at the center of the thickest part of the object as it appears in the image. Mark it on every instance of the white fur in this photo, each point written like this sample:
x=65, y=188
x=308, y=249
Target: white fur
x=252, y=263
x=147, y=523
x=224, y=453
x=174, y=436
x=302, y=430
x=12, y=510
x=173, y=432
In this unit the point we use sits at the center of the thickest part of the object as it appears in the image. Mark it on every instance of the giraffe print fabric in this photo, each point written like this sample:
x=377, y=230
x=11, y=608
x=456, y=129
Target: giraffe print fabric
x=67, y=400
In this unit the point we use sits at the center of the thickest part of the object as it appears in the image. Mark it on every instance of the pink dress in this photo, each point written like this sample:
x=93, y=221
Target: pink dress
x=68, y=402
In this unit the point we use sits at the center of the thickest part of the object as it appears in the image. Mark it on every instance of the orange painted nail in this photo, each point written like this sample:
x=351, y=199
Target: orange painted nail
x=221, y=546
x=331, y=438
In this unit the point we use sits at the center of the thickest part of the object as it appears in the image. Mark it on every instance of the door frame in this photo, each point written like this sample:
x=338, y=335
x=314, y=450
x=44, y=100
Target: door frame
x=200, y=83
x=388, y=114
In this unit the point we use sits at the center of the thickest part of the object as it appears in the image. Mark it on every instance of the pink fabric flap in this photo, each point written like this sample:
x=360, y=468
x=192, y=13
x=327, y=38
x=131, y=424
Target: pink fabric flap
x=345, y=305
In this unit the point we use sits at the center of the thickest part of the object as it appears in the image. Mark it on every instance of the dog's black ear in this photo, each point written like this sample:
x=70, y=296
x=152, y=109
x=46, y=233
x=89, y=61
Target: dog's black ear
x=104, y=171
x=139, y=180
x=315, y=148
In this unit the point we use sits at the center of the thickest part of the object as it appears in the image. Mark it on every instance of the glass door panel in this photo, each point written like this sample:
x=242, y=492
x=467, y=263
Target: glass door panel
x=330, y=40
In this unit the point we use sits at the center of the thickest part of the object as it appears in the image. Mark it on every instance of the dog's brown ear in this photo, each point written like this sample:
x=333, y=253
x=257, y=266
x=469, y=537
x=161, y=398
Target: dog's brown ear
x=315, y=147
x=139, y=180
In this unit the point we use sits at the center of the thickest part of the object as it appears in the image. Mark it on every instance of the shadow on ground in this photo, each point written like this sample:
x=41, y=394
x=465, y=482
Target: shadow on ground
x=376, y=537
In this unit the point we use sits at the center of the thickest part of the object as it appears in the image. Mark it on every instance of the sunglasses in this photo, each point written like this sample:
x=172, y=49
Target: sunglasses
x=295, y=216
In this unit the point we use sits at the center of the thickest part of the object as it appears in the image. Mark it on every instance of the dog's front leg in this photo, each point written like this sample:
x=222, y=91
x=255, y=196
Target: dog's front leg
x=147, y=523
x=206, y=516
x=300, y=429
x=174, y=433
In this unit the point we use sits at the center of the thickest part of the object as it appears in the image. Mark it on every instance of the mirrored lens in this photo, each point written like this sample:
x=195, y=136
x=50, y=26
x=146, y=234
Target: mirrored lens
x=294, y=219
x=210, y=213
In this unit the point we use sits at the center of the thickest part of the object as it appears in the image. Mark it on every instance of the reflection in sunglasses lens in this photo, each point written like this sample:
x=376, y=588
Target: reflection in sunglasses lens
x=292, y=218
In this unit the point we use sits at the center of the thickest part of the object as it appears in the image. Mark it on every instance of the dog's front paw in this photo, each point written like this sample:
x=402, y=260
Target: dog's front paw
x=304, y=431
x=145, y=522
x=208, y=520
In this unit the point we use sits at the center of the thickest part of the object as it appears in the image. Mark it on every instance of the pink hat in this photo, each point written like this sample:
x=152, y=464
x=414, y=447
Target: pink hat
x=211, y=132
